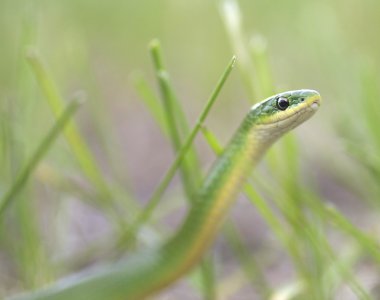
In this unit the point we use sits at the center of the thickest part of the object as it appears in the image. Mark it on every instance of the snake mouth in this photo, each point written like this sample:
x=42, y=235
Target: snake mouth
x=315, y=102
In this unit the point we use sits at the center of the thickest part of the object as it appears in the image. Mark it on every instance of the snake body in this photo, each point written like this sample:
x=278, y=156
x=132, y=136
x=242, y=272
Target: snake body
x=151, y=270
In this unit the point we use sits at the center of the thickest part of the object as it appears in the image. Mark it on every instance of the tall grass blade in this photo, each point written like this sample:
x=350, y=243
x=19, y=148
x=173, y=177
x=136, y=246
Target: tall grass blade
x=74, y=138
x=36, y=157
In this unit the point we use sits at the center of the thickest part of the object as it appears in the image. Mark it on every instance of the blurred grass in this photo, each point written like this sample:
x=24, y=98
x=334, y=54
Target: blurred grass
x=312, y=229
x=43, y=147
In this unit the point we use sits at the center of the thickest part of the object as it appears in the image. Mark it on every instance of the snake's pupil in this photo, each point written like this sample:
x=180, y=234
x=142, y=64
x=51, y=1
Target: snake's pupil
x=282, y=103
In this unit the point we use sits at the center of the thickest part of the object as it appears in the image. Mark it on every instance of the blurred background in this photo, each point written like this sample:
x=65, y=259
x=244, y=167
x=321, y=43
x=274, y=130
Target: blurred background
x=317, y=238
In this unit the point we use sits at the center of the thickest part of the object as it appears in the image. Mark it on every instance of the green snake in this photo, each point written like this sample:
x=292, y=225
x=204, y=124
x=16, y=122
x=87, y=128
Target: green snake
x=153, y=269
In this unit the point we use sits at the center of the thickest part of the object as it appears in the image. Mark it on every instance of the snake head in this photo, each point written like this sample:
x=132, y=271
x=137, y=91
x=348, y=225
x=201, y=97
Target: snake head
x=282, y=112
x=298, y=100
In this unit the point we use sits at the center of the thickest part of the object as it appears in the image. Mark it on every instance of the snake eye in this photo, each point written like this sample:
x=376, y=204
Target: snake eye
x=282, y=103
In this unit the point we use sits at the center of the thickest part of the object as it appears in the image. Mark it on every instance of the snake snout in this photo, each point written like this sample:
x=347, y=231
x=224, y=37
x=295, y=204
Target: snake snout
x=315, y=105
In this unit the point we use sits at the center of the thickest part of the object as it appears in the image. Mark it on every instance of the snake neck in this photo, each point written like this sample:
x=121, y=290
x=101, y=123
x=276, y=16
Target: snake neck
x=217, y=193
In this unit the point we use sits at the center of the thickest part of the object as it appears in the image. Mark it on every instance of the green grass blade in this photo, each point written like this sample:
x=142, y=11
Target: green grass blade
x=191, y=163
x=189, y=168
x=177, y=113
x=371, y=94
x=367, y=243
x=332, y=215
x=231, y=16
x=321, y=245
x=41, y=150
x=207, y=276
x=247, y=260
x=172, y=105
x=347, y=273
x=259, y=51
x=212, y=141
x=81, y=151
x=75, y=140
x=151, y=101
